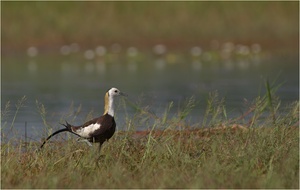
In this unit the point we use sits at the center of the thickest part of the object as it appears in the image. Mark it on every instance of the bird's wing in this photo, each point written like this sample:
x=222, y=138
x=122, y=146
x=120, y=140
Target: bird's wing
x=106, y=122
x=86, y=124
x=87, y=128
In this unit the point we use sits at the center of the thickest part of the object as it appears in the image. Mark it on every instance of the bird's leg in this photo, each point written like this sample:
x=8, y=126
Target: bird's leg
x=84, y=140
x=100, y=145
x=99, y=157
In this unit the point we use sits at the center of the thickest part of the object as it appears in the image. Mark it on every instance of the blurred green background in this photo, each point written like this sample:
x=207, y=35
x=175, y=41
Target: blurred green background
x=70, y=53
x=275, y=25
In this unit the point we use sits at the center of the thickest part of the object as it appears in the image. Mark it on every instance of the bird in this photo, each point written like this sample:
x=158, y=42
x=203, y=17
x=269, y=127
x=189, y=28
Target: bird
x=97, y=130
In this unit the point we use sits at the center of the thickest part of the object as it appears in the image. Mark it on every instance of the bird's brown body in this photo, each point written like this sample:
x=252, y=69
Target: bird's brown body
x=105, y=132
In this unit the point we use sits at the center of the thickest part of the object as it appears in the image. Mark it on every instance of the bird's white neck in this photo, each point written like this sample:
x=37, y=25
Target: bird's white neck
x=109, y=105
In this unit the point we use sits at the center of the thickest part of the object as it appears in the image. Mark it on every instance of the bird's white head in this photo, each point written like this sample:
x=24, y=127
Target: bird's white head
x=109, y=100
x=115, y=92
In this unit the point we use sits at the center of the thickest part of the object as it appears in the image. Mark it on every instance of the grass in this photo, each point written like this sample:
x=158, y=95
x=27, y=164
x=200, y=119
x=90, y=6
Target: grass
x=255, y=150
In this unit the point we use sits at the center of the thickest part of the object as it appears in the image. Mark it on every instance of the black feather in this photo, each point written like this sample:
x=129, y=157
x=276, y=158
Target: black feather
x=67, y=129
x=55, y=133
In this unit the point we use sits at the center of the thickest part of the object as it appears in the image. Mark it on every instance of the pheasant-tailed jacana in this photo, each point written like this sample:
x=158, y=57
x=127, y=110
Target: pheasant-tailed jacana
x=97, y=130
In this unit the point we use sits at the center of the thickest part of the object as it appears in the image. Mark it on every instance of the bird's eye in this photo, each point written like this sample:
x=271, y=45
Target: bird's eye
x=116, y=91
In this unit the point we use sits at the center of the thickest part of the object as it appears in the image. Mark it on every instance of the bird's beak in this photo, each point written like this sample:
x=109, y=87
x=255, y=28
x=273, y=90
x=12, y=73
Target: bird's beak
x=123, y=94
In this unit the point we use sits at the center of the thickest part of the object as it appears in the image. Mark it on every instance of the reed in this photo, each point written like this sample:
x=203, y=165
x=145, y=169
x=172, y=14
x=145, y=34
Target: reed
x=255, y=150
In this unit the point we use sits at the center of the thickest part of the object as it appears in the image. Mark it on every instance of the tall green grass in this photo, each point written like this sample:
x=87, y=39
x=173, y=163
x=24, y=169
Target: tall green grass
x=263, y=153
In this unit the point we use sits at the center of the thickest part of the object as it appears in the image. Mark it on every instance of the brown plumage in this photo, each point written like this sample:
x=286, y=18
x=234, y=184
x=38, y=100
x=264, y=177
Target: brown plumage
x=97, y=130
x=100, y=135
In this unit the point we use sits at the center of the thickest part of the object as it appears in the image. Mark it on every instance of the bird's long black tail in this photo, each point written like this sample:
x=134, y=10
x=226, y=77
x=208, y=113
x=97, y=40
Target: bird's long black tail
x=68, y=129
x=55, y=133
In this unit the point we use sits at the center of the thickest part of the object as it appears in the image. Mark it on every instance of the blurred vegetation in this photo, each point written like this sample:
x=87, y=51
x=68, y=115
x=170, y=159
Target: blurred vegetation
x=143, y=24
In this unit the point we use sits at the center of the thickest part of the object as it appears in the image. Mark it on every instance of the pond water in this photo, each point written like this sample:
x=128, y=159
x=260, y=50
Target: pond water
x=59, y=81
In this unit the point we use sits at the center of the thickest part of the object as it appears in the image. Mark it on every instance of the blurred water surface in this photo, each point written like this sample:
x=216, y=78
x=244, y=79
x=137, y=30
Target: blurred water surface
x=62, y=81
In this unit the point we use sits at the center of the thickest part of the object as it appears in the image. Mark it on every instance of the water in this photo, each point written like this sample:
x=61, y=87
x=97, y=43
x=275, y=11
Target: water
x=150, y=80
